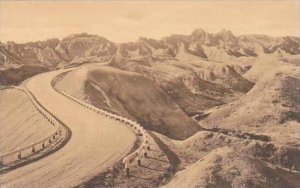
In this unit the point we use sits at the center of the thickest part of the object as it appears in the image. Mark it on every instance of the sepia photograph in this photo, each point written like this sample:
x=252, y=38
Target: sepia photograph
x=149, y=94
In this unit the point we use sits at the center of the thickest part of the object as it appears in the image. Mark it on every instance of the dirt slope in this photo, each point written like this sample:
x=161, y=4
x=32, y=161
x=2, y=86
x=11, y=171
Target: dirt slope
x=20, y=123
x=210, y=158
x=194, y=85
x=223, y=167
x=273, y=100
x=133, y=95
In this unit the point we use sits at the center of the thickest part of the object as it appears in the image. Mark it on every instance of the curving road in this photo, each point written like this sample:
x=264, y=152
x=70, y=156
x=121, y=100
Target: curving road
x=97, y=142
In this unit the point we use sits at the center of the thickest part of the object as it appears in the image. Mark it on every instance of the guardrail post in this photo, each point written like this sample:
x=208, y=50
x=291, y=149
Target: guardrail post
x=138, y=160
x=50, y=140
x=126, y=168
x=146, y=146
x=145, y=153
x=1, y=161
x=33, y=148
x=19, y=155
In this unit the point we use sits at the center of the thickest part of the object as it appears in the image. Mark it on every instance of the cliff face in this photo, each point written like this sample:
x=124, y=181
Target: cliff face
x=33, y=53
x=53, y=52
x=84, y=45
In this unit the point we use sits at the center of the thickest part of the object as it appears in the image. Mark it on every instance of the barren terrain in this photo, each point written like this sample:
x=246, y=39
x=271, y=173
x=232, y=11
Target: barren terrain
x=222, y=110
x=20, y=123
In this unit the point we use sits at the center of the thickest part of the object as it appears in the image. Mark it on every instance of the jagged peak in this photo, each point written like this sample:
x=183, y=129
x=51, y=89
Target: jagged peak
x=81, y=35
x=145, y=39
x=174, y=37
x=226, y=33
x=51, y=40
x=9, y=43
x=148, y=40
x=255, y=36
x=226, y=36
x=199, y=31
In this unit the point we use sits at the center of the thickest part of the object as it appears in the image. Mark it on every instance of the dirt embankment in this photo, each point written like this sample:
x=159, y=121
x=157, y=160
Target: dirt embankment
x=271, y=108
x=20, y=123
x=130, y=94
x=223, y=167
x=213, y=158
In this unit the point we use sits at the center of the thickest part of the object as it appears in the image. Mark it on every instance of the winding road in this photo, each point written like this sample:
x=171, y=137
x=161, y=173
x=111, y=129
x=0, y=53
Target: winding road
x=97, y=142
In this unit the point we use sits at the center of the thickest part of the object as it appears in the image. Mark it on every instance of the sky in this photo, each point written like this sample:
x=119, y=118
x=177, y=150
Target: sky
x=124, y=21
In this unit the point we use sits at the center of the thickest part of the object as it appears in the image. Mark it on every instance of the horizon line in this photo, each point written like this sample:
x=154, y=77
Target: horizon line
x=156, y=38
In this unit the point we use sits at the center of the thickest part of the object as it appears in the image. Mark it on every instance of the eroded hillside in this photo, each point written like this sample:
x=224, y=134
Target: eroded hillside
x=225, y=107
x=132, y=95
x=73, y=50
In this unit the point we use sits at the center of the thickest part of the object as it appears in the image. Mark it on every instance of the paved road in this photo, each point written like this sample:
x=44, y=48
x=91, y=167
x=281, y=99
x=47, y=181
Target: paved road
x=96, y=143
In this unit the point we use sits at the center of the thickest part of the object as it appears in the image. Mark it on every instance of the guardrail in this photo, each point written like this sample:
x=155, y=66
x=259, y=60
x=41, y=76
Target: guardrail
x=141, y=152
x=54, y=137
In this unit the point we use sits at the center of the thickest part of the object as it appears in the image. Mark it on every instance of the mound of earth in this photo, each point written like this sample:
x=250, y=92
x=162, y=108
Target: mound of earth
x=227, y=76
x=223, y=167
x=273, y=100
x=284, y=155
x=262, y=65
x=129, y=94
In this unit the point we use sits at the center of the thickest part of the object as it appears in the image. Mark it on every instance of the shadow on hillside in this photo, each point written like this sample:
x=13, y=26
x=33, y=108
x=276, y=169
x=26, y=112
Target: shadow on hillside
x=172, y=157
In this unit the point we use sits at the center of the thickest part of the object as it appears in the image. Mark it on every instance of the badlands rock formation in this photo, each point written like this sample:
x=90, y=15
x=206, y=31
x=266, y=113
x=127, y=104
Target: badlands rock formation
x=275, y=95
x=223, y=167
x=223, y=109
x=222, y=46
